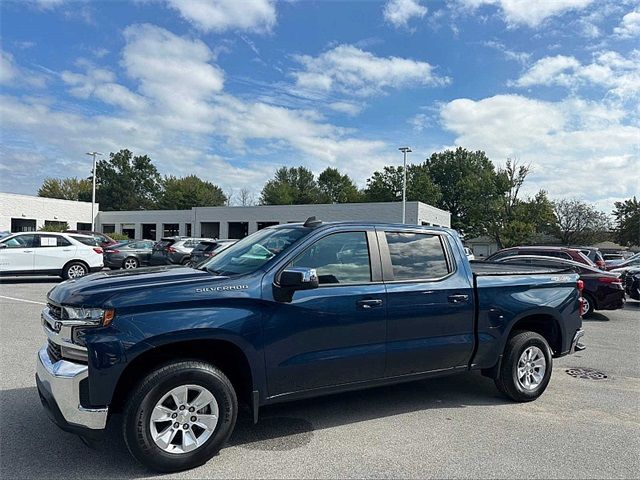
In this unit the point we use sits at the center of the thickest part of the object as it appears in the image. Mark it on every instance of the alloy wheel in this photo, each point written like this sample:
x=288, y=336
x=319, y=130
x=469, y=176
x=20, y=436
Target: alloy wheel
x=532, y=366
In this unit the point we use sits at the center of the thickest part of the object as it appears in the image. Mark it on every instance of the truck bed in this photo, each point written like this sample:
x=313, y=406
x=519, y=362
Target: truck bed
x=481, y=268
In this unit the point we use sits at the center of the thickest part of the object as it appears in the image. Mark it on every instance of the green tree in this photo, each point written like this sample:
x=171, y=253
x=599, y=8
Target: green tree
x=386, y=185
x=580, y=223
x=125, y=182
x=290, y=186
x=470, y=188
x=186, y=192
x=627, y=221
x=335, y=187
x=70, y=188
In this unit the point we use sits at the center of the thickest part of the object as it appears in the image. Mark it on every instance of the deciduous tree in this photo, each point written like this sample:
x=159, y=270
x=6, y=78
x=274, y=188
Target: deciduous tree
x=187, y=192
x=290, y=186
x=336, y=187
x=70, y=188
x=627, y=221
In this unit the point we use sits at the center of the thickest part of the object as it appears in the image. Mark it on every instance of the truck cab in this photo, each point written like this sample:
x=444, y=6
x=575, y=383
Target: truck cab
x=292, y=311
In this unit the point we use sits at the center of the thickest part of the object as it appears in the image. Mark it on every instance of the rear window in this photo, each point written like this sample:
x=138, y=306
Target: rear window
x=416, y=256
x=92, y=242
x=162, y=244
x=204, y=247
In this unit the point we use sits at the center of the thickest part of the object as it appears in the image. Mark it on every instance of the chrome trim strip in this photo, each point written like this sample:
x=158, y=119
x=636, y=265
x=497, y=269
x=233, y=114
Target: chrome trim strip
x=63, y=337
x=62, y=380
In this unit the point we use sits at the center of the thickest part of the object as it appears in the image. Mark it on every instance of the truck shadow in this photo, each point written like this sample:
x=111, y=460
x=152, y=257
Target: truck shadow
x=596, y=317
x=32, y=446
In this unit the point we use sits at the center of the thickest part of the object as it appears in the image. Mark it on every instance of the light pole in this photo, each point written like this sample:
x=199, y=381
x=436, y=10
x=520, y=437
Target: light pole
x=404, y=151
x=93, y=190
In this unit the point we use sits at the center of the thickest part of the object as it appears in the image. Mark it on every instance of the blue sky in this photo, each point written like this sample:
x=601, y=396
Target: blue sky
x=232, y=90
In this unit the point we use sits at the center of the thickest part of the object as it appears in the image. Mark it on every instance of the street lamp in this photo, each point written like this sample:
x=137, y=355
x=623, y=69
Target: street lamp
x=404, y=151
x=93, y=190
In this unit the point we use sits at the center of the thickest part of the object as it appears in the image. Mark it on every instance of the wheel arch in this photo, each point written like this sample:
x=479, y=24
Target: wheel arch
x=75, y=260
x=224, y=354
x=545, y=324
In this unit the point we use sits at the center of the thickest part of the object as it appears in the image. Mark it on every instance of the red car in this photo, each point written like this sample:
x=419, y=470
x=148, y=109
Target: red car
x=566, y=253
x=103, y=240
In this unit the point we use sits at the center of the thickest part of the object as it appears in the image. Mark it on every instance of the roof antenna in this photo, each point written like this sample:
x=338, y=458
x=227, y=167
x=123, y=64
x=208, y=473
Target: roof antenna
x=312, y=222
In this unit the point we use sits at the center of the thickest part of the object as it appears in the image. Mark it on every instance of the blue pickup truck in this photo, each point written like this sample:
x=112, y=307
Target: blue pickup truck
x=289, y=312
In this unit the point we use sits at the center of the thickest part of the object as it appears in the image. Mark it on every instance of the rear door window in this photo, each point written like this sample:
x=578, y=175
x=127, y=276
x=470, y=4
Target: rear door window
x=416, y=256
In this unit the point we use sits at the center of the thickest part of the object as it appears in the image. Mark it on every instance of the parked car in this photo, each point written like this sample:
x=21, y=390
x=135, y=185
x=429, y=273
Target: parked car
x=631, y=282
x=40, y=253
x=469, y=253
x=207, y=249
x=602, y=290
x=630, y=262
x=90, y=240
x=278, y=316
x=129, y=254
x=593, y=254
x=103, y=239
x=174, y=250
x=567, y=253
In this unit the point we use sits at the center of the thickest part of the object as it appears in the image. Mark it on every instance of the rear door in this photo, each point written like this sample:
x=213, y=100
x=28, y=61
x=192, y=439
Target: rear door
x=429, y=302
x=52, y=252
x=18, y=254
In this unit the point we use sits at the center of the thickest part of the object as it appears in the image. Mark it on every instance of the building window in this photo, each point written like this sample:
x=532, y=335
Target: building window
x=83, y=226
x=170, y=229
x=129, y=232
x=22, y=225
x=187, y=229
x=108, y=228
x=148, y=231
x=262, y=225
x=210, y=229
x=238, y=229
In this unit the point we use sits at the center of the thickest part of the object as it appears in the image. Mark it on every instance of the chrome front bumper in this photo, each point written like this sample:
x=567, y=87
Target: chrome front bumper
x=59, y=386
x=576, y=346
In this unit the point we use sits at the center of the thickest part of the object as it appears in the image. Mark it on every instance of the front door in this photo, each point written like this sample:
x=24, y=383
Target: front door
x=17, y=256
x=334, y=334
x=430, y=303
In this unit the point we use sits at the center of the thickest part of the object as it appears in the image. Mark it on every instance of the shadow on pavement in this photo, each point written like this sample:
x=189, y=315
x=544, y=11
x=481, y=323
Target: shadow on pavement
x=596, y=317
x=16, y=280
x=32, y=446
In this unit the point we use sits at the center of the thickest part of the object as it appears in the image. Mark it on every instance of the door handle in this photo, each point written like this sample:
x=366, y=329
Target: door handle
x=458, y=298
x=66, y=249
x=27, y=251
x=369, y=303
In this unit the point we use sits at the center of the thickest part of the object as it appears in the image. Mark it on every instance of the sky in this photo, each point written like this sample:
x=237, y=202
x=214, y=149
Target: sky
x=232, y=90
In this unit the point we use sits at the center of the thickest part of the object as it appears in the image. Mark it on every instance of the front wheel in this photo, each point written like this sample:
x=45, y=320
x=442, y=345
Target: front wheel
x=74, y=270
x=526, y=367
x=130, y=263
x=179, y=416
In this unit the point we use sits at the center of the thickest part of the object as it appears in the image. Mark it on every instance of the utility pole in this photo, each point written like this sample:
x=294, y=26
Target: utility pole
x=404, y=151
x=93, y=190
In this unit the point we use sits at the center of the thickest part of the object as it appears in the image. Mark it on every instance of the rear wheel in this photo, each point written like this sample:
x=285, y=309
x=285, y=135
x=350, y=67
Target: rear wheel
x=179, y=416
x=526, y=367
x=588, y=305
x=130, y=263
x=74, y=270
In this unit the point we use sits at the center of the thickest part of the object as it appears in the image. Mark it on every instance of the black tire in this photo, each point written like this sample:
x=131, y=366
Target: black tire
x=75, y=266
x=137, y=413
x=185, y=261
x=133, y=260
x=507, y=378
x=591, y=305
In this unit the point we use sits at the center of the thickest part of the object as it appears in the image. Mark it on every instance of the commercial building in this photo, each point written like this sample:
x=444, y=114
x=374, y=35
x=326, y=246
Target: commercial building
x=26, y=213
x=238, y=222
x=19, y=213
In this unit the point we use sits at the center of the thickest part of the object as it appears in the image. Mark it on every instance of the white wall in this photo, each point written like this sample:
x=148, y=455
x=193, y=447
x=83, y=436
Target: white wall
x=40, y=209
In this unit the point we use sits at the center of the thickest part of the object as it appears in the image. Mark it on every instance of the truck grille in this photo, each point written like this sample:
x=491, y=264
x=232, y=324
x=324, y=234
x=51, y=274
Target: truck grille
x=54, y=351
x=55, y=311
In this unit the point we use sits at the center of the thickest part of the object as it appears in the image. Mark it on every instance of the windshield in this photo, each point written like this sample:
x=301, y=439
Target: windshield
x=254, y=251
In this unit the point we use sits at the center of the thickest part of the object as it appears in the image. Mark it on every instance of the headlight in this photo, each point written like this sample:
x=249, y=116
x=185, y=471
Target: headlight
x=95, y=316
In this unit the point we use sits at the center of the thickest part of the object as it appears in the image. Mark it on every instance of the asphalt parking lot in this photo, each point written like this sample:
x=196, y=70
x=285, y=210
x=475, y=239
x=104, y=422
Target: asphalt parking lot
x=443, y=428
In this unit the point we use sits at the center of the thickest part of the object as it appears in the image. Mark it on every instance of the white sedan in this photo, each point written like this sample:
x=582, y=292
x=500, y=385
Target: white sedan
x=44, y=253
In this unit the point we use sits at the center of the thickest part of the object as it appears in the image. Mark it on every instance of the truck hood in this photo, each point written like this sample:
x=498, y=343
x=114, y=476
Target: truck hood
x=143, y=285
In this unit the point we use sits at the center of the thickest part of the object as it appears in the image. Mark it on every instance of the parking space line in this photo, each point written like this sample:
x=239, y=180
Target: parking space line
x=22, y=300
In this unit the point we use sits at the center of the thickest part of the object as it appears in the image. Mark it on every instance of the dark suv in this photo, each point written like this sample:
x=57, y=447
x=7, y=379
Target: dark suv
x=567, y=253
x=207, y=249
x=174, y=250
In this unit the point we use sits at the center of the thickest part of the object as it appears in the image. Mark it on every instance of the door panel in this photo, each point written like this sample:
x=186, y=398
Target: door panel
x=430, y=324
x=334, y=334
x=52, y=252
x=18, y=255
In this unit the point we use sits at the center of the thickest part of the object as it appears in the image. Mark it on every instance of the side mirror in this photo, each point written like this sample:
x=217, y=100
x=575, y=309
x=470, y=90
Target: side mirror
x=299, y=278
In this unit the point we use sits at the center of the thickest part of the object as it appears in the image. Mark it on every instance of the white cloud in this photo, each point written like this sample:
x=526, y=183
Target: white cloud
x=618, y=74
x=348, y=69
x=15, y=76
x=348, y=108
x=48, y=4
x=630, y=25
x=566, y=142
x=529, y=12
x=399, y=12
x=221, y=15
x=7, y=69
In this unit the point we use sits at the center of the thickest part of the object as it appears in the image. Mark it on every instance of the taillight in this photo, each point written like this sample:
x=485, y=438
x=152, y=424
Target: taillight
x=112, y=251
x=97, y=250
x=171, y=250
x=580, y=285
x=610, y=280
